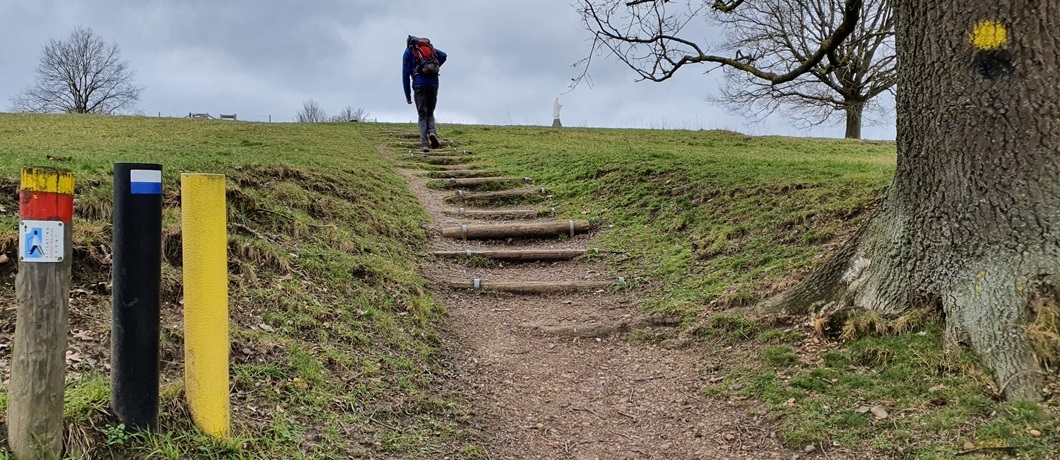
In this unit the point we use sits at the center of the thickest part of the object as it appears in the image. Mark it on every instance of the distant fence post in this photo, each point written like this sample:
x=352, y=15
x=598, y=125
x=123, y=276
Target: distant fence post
x=205, y=246
x=137, y=274
x=42, y=289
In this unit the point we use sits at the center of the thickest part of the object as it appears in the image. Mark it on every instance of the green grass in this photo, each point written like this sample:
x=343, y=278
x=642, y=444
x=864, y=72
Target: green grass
x=334, y=329
x=714, y=221
x=325, y=284
x=936, y=401
x=705, y=216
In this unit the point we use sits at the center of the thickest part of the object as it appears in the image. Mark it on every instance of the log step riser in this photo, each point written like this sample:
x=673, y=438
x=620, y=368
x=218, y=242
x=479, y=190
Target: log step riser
x=535, y=287
x=462, y=173
x=520, y=256
x=502, y=214
x=496, y=196
x=479, y=181
x=540, y=230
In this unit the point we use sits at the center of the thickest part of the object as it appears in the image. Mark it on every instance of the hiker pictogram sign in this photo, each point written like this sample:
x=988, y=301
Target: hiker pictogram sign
x=41, y=241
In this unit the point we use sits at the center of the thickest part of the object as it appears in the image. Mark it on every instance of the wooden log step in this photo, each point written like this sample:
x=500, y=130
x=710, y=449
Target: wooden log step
x=414, y=152
x=499, y=195
x=443, y=160
x=463, y=166
x=534, y=287
x=525, y=255
x=454, y=182
x=457, y=173
x=529, y=230
x=501, y=213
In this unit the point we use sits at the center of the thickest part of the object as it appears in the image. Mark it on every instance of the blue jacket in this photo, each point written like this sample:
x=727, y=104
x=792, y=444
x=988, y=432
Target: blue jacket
x=408, y=65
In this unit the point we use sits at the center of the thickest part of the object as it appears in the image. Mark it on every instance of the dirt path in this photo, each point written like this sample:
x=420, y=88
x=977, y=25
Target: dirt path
x=556, y=376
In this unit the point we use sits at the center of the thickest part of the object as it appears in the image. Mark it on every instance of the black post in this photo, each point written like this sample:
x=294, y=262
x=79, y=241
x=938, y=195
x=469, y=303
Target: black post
x=137, y=273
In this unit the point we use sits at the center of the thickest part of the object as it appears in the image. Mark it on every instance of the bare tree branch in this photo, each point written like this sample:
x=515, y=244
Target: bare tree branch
x=645, y=36
x=81, y=74
x=349, y=114
x=812, y=58
x=311, y=113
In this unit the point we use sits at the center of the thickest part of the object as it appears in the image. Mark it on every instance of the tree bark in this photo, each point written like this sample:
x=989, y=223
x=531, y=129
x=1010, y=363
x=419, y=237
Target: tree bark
x=854, y=111
x=970, y=224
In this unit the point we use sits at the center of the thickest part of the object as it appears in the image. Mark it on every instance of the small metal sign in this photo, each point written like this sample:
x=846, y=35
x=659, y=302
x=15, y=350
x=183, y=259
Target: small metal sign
x=41, y=241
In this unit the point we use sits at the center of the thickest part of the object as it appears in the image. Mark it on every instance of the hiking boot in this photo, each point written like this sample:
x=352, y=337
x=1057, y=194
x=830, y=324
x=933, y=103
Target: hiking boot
x=426, y=149
x=434, y=140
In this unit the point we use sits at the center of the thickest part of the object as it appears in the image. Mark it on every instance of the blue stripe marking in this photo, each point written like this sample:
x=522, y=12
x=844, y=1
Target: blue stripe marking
x=146, y=188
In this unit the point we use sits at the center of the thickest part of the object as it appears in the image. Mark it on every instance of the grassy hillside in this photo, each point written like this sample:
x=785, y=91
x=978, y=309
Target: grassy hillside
x=335, y=345
x=709, y=222
x=705, y=217
x=332, y=325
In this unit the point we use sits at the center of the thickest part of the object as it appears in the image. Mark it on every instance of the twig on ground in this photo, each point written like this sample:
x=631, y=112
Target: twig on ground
x=586, y=410
x=385, y=425
x=1009, y=450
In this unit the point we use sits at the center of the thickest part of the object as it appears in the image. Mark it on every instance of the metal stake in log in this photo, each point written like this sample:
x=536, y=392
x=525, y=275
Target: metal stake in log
x=529, y=230
x=42, y=289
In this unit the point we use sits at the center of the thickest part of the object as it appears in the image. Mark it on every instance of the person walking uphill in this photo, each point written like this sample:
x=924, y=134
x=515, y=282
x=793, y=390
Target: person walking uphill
x=420, y=67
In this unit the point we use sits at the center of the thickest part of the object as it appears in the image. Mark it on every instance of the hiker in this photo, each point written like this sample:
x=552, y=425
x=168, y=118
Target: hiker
x=420, y=66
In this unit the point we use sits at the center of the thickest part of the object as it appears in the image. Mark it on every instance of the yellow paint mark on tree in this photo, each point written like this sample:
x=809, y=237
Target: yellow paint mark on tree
x=989, y=35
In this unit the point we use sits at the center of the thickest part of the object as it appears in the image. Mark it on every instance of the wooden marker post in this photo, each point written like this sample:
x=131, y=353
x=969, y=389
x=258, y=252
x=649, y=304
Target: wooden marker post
x=42, y=288
x=205, y=241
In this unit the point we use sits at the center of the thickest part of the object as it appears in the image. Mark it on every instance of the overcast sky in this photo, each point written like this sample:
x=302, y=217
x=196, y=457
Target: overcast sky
x=508, y=61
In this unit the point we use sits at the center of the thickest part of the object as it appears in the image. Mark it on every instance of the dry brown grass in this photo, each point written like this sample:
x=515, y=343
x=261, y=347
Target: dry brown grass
x=1044, y=331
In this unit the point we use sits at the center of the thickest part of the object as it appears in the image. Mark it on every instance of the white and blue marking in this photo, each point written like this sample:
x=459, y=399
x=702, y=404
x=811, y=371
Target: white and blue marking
x=145, y=182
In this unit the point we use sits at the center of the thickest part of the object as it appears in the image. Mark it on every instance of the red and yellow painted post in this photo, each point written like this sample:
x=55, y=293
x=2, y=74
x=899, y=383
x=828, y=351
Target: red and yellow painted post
x=205, y=241
x=42, y=289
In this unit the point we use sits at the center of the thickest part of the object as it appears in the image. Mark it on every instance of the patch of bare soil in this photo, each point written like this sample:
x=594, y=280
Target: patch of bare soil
x=558, y=377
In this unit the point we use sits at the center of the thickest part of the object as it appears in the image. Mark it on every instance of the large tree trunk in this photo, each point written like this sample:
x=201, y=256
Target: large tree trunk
x=854, y=111
x=971, y=223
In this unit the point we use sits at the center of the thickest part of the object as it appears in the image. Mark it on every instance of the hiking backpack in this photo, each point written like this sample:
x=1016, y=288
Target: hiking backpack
x=424, y=56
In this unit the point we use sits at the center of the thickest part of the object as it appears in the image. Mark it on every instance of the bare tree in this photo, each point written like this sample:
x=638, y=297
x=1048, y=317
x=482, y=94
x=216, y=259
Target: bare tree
x=311, y=113
x=777, y=34
x=350, y=114
x=81, y=74
x=646, y=36
x=968, y=227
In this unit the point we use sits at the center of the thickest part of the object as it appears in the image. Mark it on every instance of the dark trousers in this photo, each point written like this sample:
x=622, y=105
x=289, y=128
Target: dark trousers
x=426, y=100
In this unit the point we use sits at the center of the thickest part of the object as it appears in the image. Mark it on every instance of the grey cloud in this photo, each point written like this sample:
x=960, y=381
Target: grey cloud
x=508, y=61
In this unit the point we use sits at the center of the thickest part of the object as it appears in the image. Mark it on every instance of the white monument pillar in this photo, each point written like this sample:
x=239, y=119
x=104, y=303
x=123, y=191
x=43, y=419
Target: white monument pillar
x=555, y=115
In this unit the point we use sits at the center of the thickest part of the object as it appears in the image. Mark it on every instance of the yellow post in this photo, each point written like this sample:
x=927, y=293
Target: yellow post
x=205, y=241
